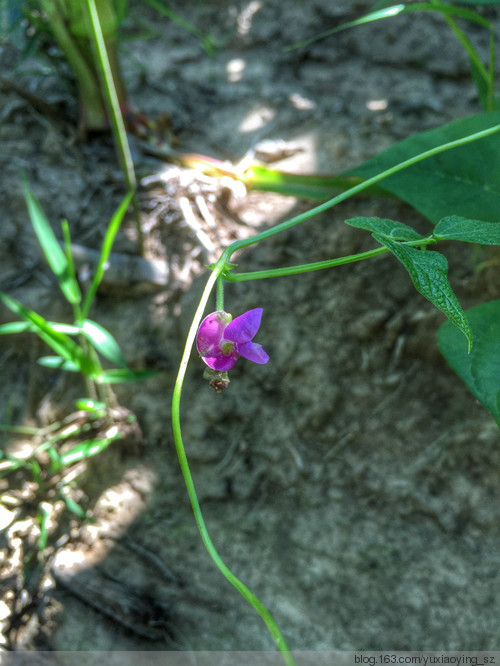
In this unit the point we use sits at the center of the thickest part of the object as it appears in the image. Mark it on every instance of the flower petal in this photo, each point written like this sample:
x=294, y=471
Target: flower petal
x=253, y=352
x=243, y=328
x=209, y=342
x=220, y=361
x=211, y=332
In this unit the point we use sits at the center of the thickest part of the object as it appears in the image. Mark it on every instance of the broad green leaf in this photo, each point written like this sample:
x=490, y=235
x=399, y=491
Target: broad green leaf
x=59, y=342
x=459, y=228
x=461, y=181
x=118, y=376
x=479, y=370
x=104, y=342
x=486, y=366
x=51, y=249
x=388, y=228
x=429, y=273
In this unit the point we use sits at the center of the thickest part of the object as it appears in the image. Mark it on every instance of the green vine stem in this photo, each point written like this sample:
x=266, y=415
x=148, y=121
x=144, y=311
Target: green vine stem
x=317, y=265
x=220, y=293
x=303, y=268
x=181, y=453
x=220, y=272
x=288, y=224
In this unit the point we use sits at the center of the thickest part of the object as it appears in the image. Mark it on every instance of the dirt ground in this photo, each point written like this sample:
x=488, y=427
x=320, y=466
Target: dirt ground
x=352, y=482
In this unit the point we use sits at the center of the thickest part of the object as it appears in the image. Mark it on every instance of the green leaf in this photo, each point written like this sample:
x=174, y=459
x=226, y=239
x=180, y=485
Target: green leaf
x=429, y=273
x=26, y=326
x=486, y=366
x=73, y=506
x=118, y=376
x=381, y=13
x=87, y=449
x=380, y=4
x=104, y=342
x=459, y=228
x=58, y=363
x=479, y=370
x=43, y=518
x=15, y=327
x=59, y=342
x=55, y=459
x=51, y=249
x=387, y=228
x=107, y=244
x=462, y=181
x=90, y=405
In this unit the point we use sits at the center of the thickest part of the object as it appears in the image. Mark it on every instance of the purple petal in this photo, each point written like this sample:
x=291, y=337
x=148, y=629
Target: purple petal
x=220, y=361
x=211, y=332
x=253, y=352
x=243, y=328
x=209, y=342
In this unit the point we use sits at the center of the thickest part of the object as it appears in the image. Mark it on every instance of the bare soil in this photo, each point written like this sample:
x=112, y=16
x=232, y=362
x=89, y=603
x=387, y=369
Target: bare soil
x=353, y=481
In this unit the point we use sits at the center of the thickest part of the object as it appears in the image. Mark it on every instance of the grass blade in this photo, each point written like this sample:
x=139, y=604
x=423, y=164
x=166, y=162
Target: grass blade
x=107, y=244
x=52, y=250
x=119, y=376
x=87, y=449
x=58, y=363
x=59, y=342
x=27, y=326
x=104, y=342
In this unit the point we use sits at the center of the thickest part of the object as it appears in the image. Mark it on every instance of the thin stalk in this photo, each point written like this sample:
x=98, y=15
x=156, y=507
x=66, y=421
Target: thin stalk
x=288, y=224
x=220, y=294
x=303, y=268
x=117, y=124
x=77, y=311
x=188, y=479
x=317, y=265
x=90, y=94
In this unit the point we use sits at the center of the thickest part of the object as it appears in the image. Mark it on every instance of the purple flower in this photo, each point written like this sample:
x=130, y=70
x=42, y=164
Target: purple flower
x=221, y=340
